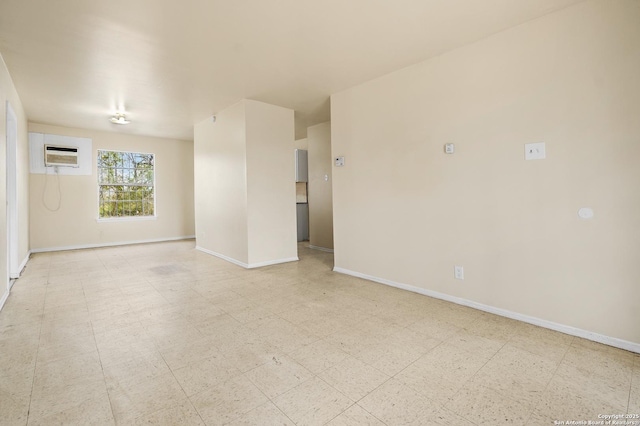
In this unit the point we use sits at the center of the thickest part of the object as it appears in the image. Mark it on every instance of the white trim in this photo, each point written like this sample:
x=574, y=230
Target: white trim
x=155, y=188
x=273, y=262
x=125, y=219
x=567, y=329
x=246, y=265
x=223, y=257
x=328, y=250
x=24, y=262
x=22, y=265
x=120, y=243
x=12, y=189
x=5, y=296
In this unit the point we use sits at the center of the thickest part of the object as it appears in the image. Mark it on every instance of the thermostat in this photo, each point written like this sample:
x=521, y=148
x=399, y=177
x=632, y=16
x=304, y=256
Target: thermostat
x=449, y=148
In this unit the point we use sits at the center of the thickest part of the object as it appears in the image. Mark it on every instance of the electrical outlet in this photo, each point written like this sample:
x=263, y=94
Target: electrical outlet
x=458, y=272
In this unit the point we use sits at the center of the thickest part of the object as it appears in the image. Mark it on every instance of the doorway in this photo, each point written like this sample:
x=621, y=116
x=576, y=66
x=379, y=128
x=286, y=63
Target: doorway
x=13, y=263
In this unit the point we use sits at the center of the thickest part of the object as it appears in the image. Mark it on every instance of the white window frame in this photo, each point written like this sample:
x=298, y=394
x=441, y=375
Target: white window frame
x=126, y=218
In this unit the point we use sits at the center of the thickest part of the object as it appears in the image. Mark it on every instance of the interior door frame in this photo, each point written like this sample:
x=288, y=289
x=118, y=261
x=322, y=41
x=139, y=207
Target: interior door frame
x=13, y=263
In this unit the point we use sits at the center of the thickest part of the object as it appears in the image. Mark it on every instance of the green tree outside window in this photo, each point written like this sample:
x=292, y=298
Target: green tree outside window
x=125, y=184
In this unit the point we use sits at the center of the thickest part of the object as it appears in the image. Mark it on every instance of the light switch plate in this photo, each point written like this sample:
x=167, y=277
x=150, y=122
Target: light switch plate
x=534, y=151
x=458, y=272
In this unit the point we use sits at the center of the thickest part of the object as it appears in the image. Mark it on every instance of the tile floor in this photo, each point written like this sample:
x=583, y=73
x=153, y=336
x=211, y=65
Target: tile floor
x=164, y=334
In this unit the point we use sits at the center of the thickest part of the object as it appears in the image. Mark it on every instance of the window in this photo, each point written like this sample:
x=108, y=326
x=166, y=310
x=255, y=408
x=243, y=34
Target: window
x=125, y=184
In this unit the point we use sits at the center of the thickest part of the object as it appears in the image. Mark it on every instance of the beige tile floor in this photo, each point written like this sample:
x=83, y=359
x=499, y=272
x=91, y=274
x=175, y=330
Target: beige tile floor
x=164, y=334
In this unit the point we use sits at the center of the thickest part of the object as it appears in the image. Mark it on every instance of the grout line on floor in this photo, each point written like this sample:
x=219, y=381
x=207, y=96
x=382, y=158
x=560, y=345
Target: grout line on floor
x=35, y=364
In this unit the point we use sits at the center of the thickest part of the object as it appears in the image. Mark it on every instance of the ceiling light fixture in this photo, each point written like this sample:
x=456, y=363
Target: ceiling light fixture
x=119, y=118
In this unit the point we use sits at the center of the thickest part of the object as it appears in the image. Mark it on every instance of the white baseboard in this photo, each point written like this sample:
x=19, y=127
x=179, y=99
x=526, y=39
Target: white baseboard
x=22, y=265
x=273, y=262
x=13, y=278
x=120, y=243
x=573, y=331
x=246, y=265
x=223, y=257
x=328, y=250
x=5, y=296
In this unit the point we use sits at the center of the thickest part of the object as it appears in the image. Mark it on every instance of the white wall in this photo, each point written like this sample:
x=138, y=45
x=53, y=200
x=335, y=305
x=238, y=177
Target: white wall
x=271, y=193
x=220, y=184
x=407, y=213
x=75, y=224
x=245, y=189
x=320, y=193
x=8, y=93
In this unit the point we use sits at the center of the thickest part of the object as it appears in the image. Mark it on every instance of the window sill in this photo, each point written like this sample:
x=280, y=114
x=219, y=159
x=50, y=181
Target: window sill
x=126, y=219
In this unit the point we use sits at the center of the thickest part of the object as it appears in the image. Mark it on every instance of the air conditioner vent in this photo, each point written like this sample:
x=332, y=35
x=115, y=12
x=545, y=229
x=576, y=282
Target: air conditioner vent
x=65, y=156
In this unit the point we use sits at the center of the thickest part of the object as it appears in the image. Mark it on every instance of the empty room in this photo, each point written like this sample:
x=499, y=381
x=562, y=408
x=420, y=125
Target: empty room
x=249, y=212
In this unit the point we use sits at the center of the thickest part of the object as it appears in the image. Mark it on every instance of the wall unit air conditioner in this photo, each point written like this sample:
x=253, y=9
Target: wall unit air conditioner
x=56, y=155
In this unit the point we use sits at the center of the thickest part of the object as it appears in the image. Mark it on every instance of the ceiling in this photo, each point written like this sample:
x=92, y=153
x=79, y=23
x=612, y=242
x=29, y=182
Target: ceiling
x=171, y=64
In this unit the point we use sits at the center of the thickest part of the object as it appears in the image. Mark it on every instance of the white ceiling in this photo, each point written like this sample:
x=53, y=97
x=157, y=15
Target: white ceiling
x=171, y=64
